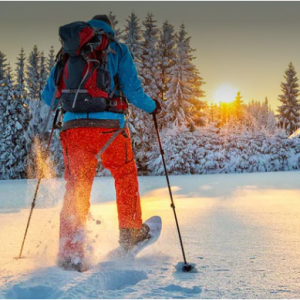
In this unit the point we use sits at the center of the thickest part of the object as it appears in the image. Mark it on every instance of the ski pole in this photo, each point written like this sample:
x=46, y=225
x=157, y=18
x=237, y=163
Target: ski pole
x=39, y=181
x=186, y=267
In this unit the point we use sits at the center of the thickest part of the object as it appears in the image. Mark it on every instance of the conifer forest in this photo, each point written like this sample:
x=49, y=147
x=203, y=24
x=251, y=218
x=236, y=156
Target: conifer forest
x=198, y=136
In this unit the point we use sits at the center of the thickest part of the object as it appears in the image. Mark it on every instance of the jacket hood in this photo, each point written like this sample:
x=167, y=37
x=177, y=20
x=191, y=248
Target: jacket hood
x=100, y=24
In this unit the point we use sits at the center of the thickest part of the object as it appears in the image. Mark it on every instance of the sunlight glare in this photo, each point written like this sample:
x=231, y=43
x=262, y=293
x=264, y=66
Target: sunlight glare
x=225, y=93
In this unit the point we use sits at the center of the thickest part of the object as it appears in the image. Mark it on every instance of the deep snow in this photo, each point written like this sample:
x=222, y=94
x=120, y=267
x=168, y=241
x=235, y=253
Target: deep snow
x=241, y=230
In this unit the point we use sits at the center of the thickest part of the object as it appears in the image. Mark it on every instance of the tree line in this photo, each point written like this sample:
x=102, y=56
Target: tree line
x=165, y=63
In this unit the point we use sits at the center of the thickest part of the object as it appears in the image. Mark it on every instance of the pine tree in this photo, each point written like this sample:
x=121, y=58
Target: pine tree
x=50, y=60
x=3, y=67
x=115, y=22
x=263, y=116
x=167, y=43
x=132, y=37
x=289, y=110
x=143, y=124
x=214, y=114
x=32, y=85
x=32, y=74
x=209, y=155
x=150, y=58
x=198, y=112
x=36, y=78
x=182, y=90
x=179, y=146
x=238, y=108
x=198, y=109
x=43, y=73
x=271, y=125
x=20, y=117
x=224, y=113
x=8, y=157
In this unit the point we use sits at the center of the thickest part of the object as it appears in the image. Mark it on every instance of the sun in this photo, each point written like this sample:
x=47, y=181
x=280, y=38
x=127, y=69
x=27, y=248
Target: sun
x=225, y=93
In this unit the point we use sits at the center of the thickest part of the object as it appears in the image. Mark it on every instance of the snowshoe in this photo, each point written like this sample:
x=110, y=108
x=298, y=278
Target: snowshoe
x=69, y=265
x=129, y=237
x=143, y=239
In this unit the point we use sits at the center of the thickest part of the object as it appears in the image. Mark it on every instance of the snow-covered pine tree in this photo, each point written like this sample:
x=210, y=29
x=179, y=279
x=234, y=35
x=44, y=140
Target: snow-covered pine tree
x=35, y=79
x=151, y=80
x=3, y=97
x=278, y=152
x=209, y=155
x=43, y=72
x=182, y=92
x=271, y=125
x=289, y=110
x=179, y=146
x=3, y=67
x=224, y=113
x=167, y=53
x=20, y=118
x=32, y=74
x=198, y=114
x=150, y=58
x=32, y=85
x=50, y=60
x=213, y=112
x=238, y=107
x=264, y=112
x=259, y=112
x=115, y=22
x=8, y=157
x=253, y=108
x=132, y=37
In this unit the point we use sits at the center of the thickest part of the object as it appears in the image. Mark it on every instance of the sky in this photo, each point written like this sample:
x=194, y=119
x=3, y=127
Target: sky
x=244, y=45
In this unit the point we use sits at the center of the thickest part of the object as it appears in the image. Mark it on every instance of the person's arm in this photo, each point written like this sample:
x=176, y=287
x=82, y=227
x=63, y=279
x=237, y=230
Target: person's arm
x=49, y=89
x=131, y=85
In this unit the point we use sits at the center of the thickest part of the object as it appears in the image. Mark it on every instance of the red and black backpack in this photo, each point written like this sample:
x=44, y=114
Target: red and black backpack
x=82, y=76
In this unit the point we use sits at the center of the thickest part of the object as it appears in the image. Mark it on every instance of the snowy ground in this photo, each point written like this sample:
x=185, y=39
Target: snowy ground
x=241, y=230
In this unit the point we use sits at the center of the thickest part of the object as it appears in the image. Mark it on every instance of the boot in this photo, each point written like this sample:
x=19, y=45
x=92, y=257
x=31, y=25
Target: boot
x=129, y=237
x=69, y=265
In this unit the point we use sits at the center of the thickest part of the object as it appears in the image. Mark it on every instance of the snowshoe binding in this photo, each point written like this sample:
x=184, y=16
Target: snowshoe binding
x=130, y=237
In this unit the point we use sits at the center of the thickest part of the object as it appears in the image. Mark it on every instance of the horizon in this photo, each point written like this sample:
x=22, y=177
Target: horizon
x=242, y=45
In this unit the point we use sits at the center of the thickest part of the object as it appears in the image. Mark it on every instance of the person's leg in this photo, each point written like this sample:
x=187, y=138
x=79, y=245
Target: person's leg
x=80, y=166
x=119, y=159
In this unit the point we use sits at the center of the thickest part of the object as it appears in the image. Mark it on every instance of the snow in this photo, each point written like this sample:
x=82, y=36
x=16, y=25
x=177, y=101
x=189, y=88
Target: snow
x=242, y=232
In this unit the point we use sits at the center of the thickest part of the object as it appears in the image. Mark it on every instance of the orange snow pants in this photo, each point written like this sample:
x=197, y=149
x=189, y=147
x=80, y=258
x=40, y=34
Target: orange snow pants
x=80, y=147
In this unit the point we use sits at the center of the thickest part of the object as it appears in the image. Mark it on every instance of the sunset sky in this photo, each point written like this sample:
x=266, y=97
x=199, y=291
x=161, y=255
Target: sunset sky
x=246, y=46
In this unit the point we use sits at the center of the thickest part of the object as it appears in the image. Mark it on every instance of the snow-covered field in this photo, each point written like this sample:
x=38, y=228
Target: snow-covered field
x=241, y=230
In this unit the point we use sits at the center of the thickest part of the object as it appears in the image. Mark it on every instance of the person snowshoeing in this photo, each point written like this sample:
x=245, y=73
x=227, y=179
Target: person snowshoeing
x=84, y=134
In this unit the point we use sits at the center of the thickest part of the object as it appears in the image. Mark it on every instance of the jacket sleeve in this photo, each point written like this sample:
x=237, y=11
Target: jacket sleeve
x=49, y=88
x=131, y=85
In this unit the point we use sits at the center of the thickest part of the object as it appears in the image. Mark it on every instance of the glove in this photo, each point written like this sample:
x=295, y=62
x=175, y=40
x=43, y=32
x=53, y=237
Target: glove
x=157, y=109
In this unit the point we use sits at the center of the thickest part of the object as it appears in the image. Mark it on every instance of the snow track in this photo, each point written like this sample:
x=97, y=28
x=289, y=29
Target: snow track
x=241, y=230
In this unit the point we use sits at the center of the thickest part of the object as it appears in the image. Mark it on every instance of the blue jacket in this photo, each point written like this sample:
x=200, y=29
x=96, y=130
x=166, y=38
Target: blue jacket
x=120, y=63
